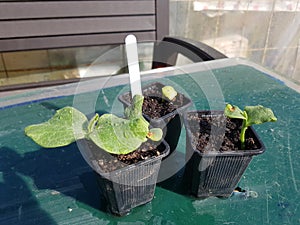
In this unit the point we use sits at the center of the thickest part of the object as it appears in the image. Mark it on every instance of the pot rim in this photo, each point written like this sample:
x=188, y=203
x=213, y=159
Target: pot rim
x=164, y=153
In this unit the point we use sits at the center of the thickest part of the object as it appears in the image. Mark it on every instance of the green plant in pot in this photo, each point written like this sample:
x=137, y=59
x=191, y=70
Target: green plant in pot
x=105, y=139
x=163, y=107
x=220, y=146
x=250, y=116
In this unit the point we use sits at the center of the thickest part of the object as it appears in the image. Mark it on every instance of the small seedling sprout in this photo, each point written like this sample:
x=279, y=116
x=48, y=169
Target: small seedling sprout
x=168, y=92
x=250, y=116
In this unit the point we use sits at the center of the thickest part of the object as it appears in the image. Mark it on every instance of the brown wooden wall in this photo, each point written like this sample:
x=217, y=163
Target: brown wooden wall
x=28, y=25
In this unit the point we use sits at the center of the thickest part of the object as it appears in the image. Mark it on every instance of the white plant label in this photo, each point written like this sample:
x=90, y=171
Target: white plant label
x=133, y=65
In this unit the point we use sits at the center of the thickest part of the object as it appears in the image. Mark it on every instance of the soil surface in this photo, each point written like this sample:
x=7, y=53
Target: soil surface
x=110, y=162
x=154, y=106
x=219, y=133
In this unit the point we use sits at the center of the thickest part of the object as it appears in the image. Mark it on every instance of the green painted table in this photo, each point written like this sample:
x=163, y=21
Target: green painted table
x=56, y=186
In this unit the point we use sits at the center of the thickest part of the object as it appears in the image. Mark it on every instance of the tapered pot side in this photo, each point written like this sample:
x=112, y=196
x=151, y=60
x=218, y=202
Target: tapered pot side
x=170, y=121
x=213, y=171
x=126, y=186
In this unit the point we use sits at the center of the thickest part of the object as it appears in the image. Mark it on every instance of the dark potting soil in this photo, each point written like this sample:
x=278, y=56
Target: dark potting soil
x=211, y=134
x=110, y=162
x=155, y=106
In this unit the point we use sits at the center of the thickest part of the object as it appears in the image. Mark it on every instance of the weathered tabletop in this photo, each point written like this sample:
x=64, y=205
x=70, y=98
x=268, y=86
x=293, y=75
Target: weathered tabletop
x=56, y=186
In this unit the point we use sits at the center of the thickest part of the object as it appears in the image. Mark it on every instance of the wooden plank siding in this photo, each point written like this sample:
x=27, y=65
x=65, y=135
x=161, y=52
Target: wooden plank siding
x=56, y=27
x=64, y=9
x=29, y=25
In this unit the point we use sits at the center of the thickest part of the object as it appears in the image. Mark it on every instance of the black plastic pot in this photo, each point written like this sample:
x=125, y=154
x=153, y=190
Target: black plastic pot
x=170, y=123
x=215, y=173
x=127, y=187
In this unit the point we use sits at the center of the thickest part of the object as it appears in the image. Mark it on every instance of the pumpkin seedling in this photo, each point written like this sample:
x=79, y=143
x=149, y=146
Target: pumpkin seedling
x=111, y=133
x=250, y=116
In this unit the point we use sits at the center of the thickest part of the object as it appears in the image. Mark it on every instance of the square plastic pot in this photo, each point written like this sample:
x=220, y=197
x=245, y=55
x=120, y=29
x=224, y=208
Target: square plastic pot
x=170, y=123
x=130, y=186
x=215, y=173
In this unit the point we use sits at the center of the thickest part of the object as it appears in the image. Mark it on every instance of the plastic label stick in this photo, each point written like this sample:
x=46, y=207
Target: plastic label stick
x=133, y=65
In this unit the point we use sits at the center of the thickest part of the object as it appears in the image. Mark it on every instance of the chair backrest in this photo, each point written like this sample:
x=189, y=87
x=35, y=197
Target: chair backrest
x=32, y=25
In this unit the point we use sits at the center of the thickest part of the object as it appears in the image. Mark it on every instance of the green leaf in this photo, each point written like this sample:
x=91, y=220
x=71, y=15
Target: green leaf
x=135, y=109
x=121, y=136
x=65, y=127
x=155, y=134
x=111, y=133
x=169, y=92
x=116, y=135
x=233, y=111
x=259, y=114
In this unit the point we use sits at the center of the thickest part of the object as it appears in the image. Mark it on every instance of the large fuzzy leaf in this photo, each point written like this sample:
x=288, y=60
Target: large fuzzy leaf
x=111, y=133
x=117, y=135
x=259, y=114
x=65, y=127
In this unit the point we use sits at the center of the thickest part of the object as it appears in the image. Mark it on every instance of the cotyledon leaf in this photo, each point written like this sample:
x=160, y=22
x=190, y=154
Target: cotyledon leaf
x=169, y=92
x=233, y=111
x=155, y=134
x=66, y=126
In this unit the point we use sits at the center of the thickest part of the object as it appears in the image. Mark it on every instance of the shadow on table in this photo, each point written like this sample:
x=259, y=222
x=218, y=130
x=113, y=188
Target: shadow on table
x=179, y=180
x=17, y=203
x=60, y=172
x=53, y=175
